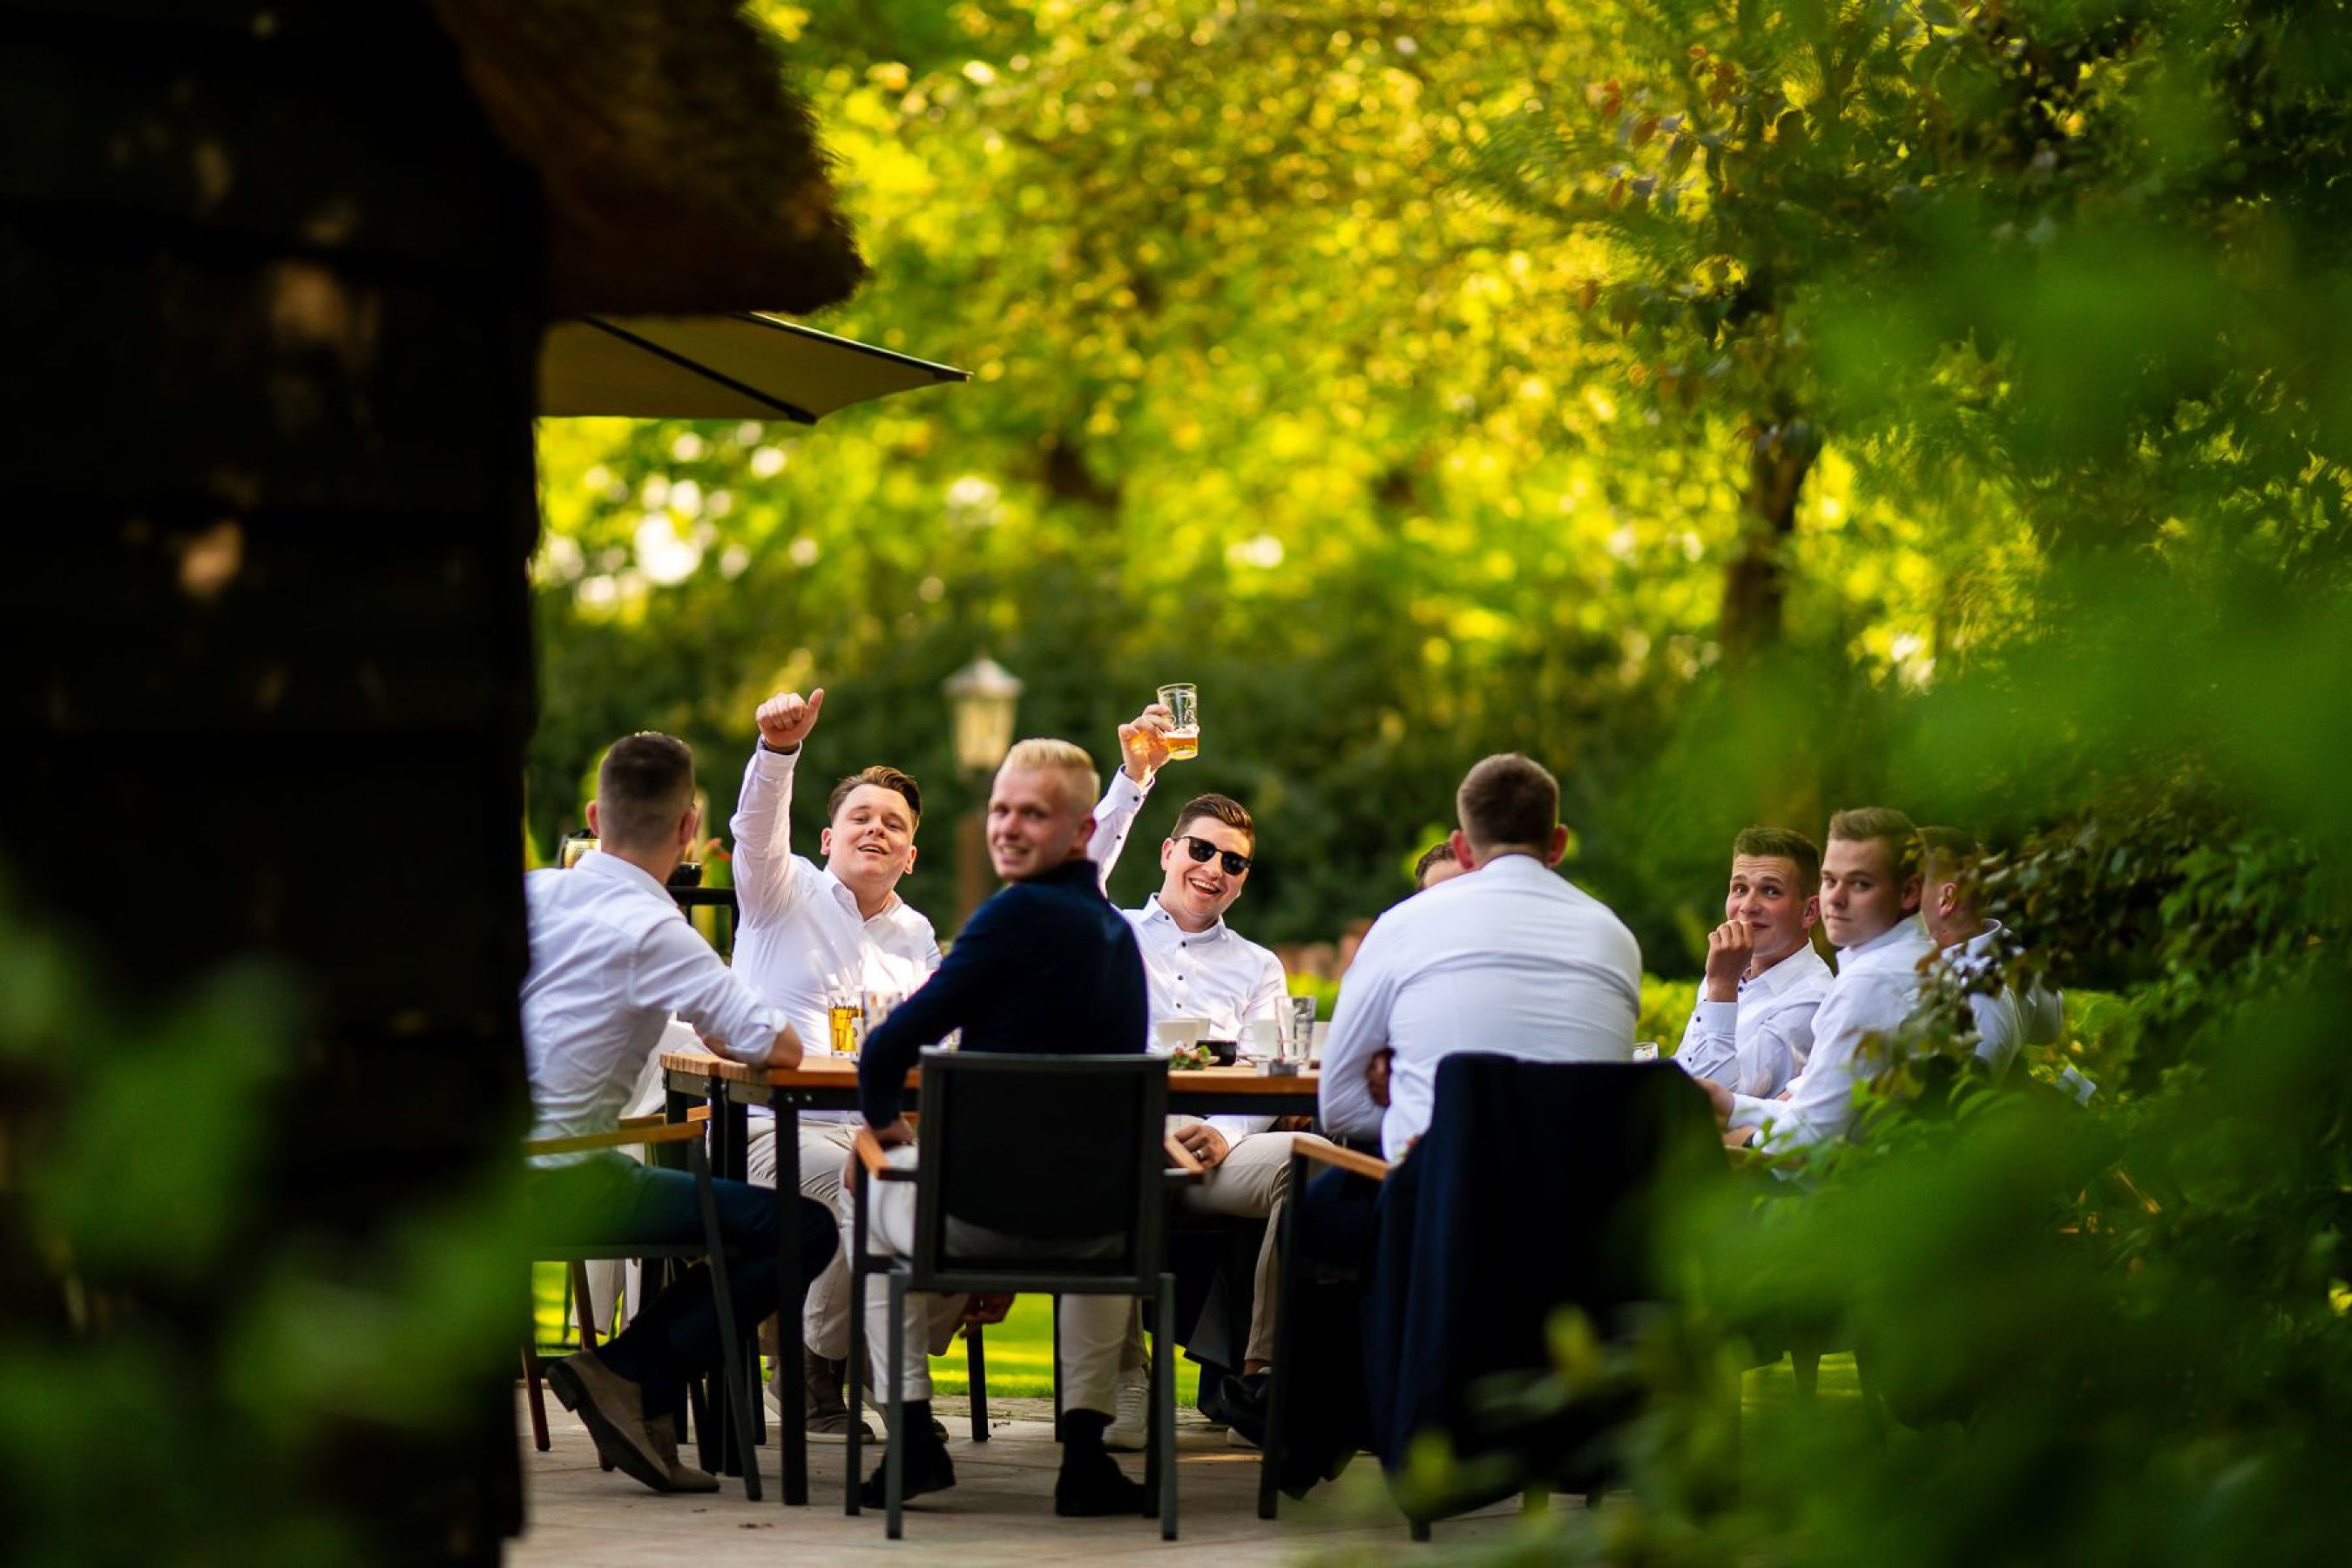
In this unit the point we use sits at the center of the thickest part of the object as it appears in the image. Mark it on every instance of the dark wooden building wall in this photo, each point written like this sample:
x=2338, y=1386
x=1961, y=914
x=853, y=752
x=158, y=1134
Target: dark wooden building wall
x=272, y=296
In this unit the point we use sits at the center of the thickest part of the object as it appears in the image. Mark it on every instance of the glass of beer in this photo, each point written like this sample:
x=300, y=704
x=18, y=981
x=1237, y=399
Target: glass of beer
x=843, y=1017
x=1182, y=701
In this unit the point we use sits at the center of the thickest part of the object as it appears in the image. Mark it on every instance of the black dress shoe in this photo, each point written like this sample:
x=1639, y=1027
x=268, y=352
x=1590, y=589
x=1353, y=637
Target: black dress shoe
x=1245, y=1399
x=929, y=1470
x=1091, y=1485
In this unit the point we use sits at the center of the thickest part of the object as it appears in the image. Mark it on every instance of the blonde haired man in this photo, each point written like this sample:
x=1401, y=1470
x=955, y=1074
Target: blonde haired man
x=1044, y=966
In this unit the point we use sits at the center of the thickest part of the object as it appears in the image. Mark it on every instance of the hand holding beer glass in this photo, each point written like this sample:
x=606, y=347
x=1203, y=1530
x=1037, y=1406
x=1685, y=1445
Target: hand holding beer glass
x=1166, y=731
x=1182, y=701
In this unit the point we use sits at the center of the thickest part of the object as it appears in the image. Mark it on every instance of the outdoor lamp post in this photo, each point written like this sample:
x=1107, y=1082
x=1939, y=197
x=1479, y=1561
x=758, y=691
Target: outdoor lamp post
x=981, y=697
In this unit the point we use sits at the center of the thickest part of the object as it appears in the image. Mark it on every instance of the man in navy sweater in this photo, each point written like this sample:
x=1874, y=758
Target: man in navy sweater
x=1046, y=965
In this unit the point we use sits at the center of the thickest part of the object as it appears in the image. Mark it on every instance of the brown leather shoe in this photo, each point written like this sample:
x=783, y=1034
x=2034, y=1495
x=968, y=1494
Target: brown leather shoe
x=614, y=1410
x=683, y=1476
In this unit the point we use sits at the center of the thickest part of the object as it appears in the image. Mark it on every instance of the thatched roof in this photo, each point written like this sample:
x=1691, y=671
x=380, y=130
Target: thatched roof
x=680, y=175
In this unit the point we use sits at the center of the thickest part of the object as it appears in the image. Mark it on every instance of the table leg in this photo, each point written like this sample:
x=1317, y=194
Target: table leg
x=730, y=1129
x=792, y=1382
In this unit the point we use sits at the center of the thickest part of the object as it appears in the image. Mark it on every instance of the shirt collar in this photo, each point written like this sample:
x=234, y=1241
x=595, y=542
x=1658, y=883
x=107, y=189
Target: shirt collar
x=1905, y=932
x=626, y=873
x=1516, y=865
x=1154, y=910
x=848, y=899
x=1790, y=969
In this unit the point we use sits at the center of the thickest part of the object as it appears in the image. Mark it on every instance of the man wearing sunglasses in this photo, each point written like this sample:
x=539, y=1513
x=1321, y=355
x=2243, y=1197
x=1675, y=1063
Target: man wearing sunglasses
x=1197, y=967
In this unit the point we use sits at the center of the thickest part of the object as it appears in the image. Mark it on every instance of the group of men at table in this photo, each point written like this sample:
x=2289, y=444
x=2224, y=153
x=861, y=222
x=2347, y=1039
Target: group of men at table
x=1494, y=952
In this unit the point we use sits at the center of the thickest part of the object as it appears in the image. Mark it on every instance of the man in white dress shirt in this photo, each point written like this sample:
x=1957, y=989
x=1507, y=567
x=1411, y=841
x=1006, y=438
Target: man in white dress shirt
x=806, y=932
x=1754, y=1022
x=612, y=958
x=1870, y=902
x=2005, y=1017
x=1511, y=958
x=1196, y=966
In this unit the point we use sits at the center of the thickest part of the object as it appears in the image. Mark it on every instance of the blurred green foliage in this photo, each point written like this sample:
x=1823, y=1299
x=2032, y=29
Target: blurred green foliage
x=176, y=1385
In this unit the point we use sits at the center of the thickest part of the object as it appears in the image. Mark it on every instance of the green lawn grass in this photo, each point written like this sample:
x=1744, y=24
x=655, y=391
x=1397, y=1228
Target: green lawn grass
x=1019, y=1350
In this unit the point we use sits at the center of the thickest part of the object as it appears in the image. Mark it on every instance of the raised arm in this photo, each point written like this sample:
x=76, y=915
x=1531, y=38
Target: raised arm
x=1142, y=752
x=762, y=824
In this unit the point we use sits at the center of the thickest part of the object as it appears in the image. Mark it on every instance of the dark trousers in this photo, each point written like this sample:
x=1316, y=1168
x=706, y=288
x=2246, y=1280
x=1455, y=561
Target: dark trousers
x=611, y=1200
x=1325, y=1418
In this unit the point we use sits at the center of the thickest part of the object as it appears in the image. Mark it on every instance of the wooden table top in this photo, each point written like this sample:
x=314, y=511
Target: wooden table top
x=841, y=1072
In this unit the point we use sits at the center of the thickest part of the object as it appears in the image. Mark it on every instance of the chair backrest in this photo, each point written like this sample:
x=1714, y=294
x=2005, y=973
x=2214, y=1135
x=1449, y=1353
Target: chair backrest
x=1539, y=1187
x=1050, y=1162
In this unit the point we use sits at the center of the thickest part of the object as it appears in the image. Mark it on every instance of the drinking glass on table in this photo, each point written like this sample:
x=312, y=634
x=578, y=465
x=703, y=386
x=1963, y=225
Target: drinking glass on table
x=842, y=1019
x=1182, y=701
x=1298, y=1044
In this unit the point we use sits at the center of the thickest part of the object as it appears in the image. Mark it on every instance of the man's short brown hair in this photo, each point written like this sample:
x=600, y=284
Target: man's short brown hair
x=1784, y=844
x=1886, y=825
x=1438, y=854
x=1509, y=799
x=1222, y=808
x=643, y=785
x=1950, y=853
x=882, y=777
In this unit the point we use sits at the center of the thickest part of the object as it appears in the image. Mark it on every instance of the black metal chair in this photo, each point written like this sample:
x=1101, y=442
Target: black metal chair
x=994, y=1204
x=687, y=1134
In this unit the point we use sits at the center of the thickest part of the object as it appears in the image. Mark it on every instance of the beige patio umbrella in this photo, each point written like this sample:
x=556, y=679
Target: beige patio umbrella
x=738, y=366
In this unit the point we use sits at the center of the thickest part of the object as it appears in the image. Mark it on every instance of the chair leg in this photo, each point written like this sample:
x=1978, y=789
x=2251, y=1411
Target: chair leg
x=538, y=1401
x=853, y=1380
x=1421, y=1529
x=583, y=1307
x=1057, y=1368
x=975, y=1361
x=1805, y=1362
x=730, y=1338
x=1285, y=1344
x=894, y=1462
x=1163, y=1403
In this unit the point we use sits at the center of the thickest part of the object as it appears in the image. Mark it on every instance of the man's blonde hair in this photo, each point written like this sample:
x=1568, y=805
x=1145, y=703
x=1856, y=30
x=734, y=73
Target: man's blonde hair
x=1060, y=757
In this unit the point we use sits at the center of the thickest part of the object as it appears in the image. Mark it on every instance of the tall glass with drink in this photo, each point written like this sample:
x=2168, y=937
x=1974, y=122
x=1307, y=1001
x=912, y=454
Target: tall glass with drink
x=843, y=1017
x=1299, y=1046
x=1182, y=701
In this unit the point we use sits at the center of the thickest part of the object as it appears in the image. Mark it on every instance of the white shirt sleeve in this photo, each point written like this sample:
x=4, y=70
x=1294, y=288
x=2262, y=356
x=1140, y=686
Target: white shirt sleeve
x=1114, y=815
x=1710, y=1047
x=673, y=969
x=1820, y=1107
x=762, y=828
x=1776, y=1049
x=1265, y=1001
x=1359, y=1029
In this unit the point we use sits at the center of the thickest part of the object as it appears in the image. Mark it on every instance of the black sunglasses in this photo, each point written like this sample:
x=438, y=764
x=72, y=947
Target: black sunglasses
x=1201, y=849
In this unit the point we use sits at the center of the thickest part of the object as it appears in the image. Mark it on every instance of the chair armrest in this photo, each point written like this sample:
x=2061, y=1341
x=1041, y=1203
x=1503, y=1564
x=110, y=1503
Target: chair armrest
x=1340, y=1159
x=1183, y=1163
x=656, y=1118
x=877, y=1165
x=619, y=1138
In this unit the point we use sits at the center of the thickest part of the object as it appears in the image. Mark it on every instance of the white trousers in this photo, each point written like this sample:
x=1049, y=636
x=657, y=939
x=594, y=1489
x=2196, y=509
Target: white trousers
x=1093, y=1327
x=825, y=1318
